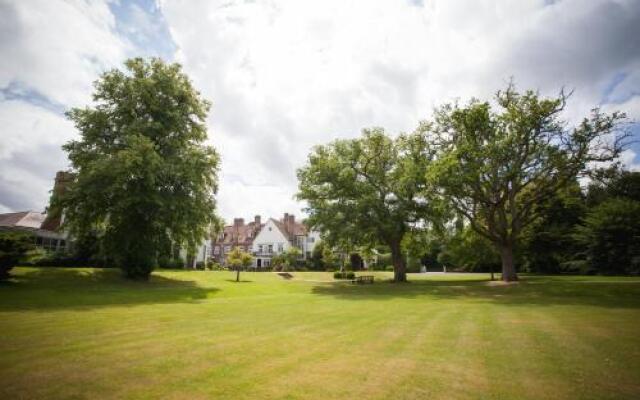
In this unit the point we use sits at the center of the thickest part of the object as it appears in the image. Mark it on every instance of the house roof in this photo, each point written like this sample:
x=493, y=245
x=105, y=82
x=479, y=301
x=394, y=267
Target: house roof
x=23, y=219
x=239, y=234
x=291, y=230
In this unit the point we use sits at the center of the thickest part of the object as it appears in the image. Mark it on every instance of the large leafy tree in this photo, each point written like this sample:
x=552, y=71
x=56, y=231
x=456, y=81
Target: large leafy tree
x=143, y=176
x=498, y=161
x=368, y=190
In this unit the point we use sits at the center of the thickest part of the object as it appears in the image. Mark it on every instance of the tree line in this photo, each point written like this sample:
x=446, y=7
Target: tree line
x=475, y=183
x=475, y=180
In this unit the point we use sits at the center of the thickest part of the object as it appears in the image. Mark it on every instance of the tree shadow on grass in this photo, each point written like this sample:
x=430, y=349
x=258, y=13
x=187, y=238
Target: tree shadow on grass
x=67, y=288
x=529, y=291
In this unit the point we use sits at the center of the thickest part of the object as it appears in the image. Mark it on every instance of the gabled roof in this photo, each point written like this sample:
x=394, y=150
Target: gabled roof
x=239, y=234
x=23, y=219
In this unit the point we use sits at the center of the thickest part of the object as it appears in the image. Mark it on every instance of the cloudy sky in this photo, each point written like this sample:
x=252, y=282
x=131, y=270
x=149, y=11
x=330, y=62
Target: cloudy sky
x=285, y=75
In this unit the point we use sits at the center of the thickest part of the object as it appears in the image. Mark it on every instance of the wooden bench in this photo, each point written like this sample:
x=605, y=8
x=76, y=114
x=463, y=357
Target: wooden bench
x=363, y=279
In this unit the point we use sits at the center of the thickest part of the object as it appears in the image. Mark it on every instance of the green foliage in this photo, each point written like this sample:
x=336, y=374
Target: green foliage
x=613, y=182
x=238, y=258
x=610, y=237
x=350, y=275
x=547, y=244
x=467, y=250
x=329, y=257
x=14, y=248
x=291, y=257
x=496, y=163
x=144, y=178
x=166, y=261
x=317, y=260
x=367, y=190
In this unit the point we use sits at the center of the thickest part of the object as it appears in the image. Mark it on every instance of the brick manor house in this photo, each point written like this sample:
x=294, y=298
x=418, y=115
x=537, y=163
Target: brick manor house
x=264, y=239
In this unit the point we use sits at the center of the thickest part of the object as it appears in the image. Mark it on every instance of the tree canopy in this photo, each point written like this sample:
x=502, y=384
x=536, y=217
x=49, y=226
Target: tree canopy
x=143, y=175
x=496, y=162
x=368, y=190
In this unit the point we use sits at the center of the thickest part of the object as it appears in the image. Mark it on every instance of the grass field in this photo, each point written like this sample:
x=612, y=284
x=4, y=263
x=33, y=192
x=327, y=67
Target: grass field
x=82, y=333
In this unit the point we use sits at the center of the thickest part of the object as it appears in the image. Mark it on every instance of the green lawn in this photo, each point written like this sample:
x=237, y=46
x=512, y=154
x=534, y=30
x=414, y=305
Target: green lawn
x=82, y=333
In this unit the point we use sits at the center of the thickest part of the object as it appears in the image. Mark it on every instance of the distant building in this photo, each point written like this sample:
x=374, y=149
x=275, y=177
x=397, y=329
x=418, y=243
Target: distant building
x=237, y=235
x=277, y=236
x=44, y=226
x=35, y=223
x=264, y=240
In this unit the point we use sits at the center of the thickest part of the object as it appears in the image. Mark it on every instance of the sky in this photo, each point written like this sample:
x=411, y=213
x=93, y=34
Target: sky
x=284, y=76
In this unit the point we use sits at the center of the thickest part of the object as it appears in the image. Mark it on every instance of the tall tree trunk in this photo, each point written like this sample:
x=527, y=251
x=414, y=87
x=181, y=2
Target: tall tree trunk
x=508, y=269
x=399, y=268
x=238, y=274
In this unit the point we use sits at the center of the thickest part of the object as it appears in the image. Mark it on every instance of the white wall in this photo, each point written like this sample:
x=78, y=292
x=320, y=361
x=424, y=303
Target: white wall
x=270, y=234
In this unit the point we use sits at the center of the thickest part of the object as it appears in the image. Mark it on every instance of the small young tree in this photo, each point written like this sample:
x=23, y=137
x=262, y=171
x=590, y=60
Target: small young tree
x=14, y=248
x=495, y=166
x=291, y=257
x=238, y=259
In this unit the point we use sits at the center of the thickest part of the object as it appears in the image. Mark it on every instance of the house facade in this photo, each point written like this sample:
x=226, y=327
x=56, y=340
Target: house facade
x=237, y=235
x=277, y=236
x=36, y=224
x=264, y=240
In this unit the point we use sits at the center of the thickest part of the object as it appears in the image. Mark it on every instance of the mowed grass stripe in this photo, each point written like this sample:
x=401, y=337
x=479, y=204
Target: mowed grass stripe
x=89, y=334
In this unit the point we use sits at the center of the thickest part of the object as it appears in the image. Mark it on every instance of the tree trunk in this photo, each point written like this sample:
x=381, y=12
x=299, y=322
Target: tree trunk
x=508, y=269
x=238, y=275
x=399, y=268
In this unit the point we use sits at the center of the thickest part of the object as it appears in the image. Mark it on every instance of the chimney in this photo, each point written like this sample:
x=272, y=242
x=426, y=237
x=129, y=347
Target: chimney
x=288, y=223
x=256, y=220
x=55, y=215
x=237, y=222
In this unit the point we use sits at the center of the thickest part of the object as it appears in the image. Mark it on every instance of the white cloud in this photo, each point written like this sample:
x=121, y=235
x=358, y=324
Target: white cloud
x=51, y=53
x=58, y=48
x=285, y=75
x=30, y=154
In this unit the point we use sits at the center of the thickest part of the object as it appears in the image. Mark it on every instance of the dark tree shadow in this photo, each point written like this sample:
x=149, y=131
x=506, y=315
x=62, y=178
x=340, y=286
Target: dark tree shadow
x=529, y=291
x=57, y=288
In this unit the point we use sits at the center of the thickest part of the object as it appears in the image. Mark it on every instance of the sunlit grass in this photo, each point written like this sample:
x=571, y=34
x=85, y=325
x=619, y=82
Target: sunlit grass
x=82, y=333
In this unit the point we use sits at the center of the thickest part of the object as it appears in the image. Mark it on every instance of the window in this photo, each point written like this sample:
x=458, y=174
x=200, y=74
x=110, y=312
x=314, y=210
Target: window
x=227, y=249
x=280, y=247
x=259, y=248
x=216, y=250
x=270, y=249
x=311, y=239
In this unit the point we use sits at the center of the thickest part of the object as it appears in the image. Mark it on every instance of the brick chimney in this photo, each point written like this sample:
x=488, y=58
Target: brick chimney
x=237, y=222
x=256, y=220
x=288, y=223
x=55, y=215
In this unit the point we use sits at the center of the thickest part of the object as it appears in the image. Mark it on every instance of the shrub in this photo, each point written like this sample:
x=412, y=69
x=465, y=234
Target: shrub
x=14, y=248
x=171, y=263
x=215, y=266
x=344, y=275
